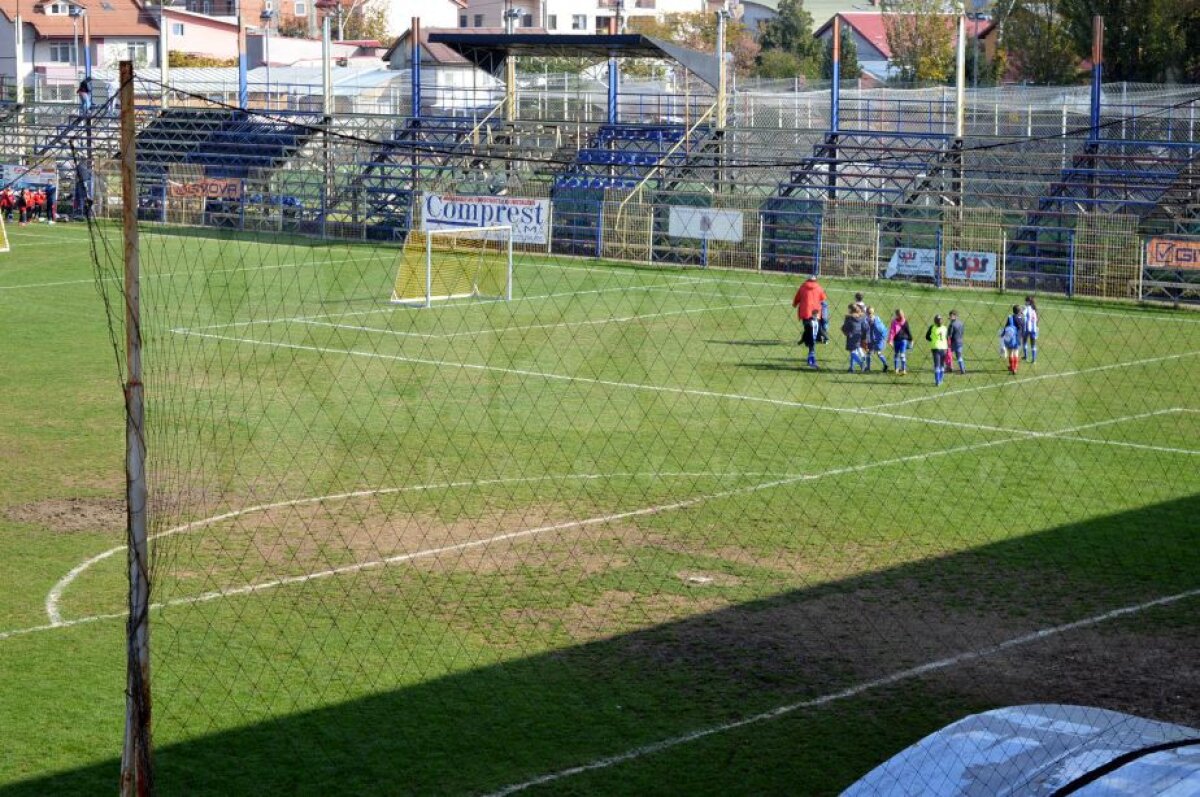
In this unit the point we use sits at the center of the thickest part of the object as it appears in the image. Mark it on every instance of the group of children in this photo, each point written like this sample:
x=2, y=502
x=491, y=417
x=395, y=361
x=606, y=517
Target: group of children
x=867, y=336
x=29, y=204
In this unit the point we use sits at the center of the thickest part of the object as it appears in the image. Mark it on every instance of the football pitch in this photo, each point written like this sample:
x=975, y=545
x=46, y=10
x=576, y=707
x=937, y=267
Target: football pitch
x=609, y=537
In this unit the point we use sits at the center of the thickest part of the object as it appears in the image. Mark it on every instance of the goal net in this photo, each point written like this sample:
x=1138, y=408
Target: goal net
x=450, y=264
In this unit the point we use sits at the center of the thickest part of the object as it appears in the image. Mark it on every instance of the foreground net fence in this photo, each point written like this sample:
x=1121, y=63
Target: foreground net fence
x=601, y=524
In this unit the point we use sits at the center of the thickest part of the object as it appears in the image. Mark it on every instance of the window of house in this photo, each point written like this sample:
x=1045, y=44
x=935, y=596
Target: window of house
x=57, y=9
x=462, y=20
x=176, y=28
x=578, y=22
x=602, y=25
x=139, y=53
x=269, y=5
x=552, y=21
x=479, y=20
x=301, y=8
x=62, y=52
x=527, y=21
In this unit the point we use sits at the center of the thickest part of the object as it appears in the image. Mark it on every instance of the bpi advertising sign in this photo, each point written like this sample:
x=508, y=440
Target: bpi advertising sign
x=974, y=266
x=705, y=224
x=529, y=218
x=907, y=262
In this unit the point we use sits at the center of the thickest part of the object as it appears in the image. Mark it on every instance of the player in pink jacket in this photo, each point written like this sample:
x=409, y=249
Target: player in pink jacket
x=900, y=336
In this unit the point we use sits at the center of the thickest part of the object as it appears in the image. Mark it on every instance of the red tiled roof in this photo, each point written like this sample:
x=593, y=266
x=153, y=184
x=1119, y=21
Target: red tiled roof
x=105, y=18
x=870, y=26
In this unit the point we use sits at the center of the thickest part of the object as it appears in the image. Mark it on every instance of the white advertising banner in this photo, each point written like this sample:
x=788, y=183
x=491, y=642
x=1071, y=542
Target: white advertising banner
x=908, y=262
x=974, y=266
x=22, y=176
x=529, y=218
x=706, y=224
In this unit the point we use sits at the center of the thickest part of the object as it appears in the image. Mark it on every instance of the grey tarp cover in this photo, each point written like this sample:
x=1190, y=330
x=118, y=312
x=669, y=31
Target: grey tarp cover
x=1033, y=751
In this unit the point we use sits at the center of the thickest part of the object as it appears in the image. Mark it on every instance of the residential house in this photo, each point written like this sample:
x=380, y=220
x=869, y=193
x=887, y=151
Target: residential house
x=756, y=13
x=569, y=16
x=53, y=33
x=870, y=37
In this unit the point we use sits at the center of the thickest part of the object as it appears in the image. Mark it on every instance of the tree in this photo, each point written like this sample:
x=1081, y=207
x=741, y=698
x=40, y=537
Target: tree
x=698, y=30
x=850, y=68
x=1042, y=49
x=1143, y=40
x=791, y=31
x=921, y=37
x=368, y=21
x=1190, y=25
x=778, y=64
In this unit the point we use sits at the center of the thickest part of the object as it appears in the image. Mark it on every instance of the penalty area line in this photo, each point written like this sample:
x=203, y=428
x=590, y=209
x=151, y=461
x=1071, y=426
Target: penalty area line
x=844, y=694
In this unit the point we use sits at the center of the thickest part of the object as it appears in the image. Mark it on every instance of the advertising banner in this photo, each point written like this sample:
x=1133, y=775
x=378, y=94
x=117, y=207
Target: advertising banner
x=1173, y=253
x=907, y=262
x=974, y=266
x=529, y=218
x=706, y=224
x=26, y=176
x=205, y=189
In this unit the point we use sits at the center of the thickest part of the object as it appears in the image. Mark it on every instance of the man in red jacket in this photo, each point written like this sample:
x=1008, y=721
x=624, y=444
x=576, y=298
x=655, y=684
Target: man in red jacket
x=811, y=296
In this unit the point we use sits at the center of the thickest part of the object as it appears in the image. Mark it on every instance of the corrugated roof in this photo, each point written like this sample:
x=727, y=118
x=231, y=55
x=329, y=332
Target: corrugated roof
x=105, y=18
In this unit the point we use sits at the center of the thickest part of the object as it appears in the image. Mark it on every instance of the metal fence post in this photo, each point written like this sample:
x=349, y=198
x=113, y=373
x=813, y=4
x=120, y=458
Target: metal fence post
x=1071, y=264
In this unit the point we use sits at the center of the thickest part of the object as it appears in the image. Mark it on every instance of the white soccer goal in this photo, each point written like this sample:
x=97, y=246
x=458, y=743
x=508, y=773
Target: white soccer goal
x=3, y=236
x=450, y=264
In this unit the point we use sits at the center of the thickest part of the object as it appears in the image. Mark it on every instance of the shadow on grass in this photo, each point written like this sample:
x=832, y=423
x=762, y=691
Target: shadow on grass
x=481, y=729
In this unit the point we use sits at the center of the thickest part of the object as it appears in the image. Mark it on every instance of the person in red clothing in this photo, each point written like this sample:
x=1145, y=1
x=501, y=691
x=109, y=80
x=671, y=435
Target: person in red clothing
x=811, y=297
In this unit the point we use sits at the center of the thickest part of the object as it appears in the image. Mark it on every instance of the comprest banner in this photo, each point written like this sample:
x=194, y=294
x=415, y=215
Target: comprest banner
x=706, y=224
x=974, y=266
x=529, y=218
x=1173, y=253
x=908, y=262
x=205, y=189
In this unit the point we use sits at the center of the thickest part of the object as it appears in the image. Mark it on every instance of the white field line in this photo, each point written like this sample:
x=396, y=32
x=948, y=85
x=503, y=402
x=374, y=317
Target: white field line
x=1038, y=378
x=975, y=427
x=526, y=327
x=1138, y=446
x=54, y=597
x=844, y=694
x=391, y=308
x=168, y=274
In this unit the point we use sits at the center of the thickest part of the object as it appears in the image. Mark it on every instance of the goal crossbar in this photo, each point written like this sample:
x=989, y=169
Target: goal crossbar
x=458, y=263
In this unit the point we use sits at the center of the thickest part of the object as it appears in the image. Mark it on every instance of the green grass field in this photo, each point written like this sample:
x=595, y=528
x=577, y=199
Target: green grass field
x=610, y=537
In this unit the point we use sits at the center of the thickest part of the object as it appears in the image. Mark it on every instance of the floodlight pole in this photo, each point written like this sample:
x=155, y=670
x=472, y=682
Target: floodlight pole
x=722, y=71
x=835, y=102
x=137, y=764
x=243, y=76
x=326, y=69
x=164, y=77
x=414, y=72
x=960, y=107
x=1097, y=76
x=614, y=70
x=19, y=43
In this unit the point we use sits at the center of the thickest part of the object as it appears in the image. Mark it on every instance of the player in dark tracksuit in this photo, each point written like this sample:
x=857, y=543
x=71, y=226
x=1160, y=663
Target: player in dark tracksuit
x=957, y=333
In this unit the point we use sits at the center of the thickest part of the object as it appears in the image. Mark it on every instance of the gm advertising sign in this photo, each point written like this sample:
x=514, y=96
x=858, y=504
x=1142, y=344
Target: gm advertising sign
x=529, y=218
x=975, y=266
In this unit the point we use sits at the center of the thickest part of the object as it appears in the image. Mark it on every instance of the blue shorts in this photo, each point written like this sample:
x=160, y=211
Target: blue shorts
x=1029, y=335
x=901, y=346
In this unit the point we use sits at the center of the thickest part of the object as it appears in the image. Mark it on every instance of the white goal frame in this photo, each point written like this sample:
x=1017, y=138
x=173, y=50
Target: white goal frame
x=429, y=237
x=4, y=247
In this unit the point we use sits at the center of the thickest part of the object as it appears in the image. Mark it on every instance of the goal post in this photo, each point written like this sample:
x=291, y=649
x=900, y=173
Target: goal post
x=3, y=236
x=467, y=262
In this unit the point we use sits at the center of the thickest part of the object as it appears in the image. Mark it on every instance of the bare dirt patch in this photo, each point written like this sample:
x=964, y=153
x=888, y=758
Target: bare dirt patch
x=72, y=515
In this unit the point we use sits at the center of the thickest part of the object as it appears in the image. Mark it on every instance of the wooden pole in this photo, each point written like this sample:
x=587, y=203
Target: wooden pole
x=137, y=768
